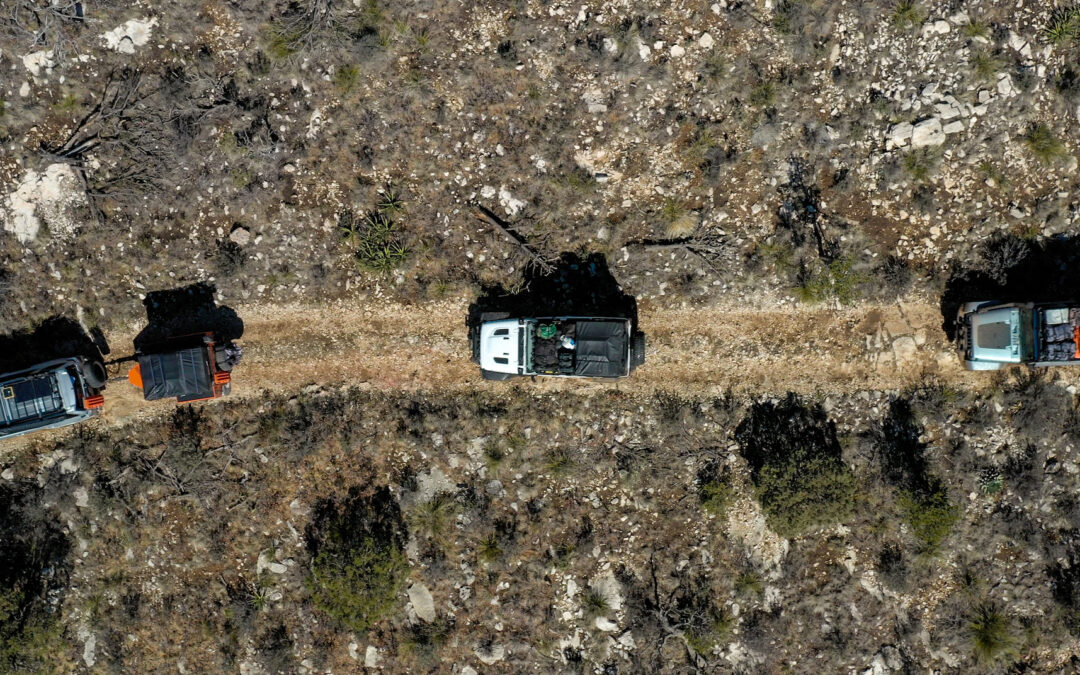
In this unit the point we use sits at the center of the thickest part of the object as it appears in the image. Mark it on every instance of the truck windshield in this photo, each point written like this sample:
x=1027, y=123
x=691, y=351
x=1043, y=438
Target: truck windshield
x=1027, y=335
x=526, y=347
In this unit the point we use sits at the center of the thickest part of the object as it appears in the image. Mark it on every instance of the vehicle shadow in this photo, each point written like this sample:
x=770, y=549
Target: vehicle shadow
x=55, y=338
x=184, y=311
x=1012, y=269
x=582, y=287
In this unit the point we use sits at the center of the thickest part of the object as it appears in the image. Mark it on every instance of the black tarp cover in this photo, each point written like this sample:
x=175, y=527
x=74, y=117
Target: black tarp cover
x=184, y=373
x=601, y=349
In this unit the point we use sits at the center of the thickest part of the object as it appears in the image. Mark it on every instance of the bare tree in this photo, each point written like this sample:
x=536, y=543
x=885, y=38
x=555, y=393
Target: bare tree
x=45, y=23
x=131, y=138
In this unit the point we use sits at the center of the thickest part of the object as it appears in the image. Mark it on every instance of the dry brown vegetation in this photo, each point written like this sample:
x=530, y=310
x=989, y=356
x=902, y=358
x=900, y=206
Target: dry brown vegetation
x=569, y=531
x=767, y=181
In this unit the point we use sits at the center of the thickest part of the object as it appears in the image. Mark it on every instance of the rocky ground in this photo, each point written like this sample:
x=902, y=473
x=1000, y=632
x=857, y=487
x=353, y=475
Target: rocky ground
x=796, y=192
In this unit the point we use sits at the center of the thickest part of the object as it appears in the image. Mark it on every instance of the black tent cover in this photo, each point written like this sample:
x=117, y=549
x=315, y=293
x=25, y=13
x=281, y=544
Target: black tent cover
x=601, y=348
x=184, y=373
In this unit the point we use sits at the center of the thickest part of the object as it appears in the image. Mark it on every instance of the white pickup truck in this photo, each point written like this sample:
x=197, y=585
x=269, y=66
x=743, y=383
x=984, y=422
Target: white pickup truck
x=994, y=334
x=562, y=346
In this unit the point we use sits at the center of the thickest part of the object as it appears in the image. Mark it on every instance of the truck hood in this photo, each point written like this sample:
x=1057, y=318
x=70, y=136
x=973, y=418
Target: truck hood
x=995, y=335
x=500, y=346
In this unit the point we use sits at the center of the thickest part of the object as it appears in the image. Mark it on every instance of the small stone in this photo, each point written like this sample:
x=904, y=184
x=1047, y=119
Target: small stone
x=677, y=51
x=8, y=474
x=490, y=655
x=605, y=624
x=904, y=348
x=240, y=235
x=1005, y=85
x=82, y=497
x=277, y=568
x=371, y=657
x=705, y=41
x=953, y=127
x=422, y=602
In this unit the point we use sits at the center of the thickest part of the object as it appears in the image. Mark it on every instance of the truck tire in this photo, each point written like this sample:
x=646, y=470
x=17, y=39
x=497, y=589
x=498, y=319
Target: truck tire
x=496, y=377
x=637, y=350
x=220, y=360
x=94, y=374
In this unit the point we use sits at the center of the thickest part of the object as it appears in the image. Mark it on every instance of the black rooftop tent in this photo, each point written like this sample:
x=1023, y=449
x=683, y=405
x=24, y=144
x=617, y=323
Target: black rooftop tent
x=184, y=374
x=601, y=349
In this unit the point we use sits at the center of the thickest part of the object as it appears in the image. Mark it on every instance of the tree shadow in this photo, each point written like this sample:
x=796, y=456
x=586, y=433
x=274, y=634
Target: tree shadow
x=1012, y=269
x=55, y=338
x=577, y=287
x=184, y=311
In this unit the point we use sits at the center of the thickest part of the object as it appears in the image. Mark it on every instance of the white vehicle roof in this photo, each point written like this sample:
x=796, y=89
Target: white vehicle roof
x=500, y=346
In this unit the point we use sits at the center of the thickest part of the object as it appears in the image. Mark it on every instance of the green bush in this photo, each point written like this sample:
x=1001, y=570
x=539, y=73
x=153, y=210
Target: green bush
x=1064, y=25
x=715, y=489
x=931, y=517
x=907, y=14
x=799, y=495
x=839, y=280
x=359, y=587
x=358, y=569
x=345, y=78
x=374, y=239
x=1042, y=143
x=795, y=462
x=991, y=633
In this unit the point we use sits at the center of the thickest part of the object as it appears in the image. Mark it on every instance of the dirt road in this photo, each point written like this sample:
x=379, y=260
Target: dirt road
x=814, y=350
x=811, y=350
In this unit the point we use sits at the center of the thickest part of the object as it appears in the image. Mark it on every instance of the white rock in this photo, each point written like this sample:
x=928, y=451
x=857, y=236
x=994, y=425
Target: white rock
x=371, y=657
x=127, y=36
x=24, y=90
x=468, y=670
x=422, y=602
x=8, y=474
x=904, y=348
x=705, y=41
x=39, y=63
x=941, y=26
x=953, y=127
x=277, y=568
x=1005, y=85
x=627, y=640
x=240, y=236
x=509, y=203
x=88, y=651
x=947, y=111
x=643, y=51
x=50, y=196
x=82, y=497
x=900, y=134
x=594, y=100
x=605, y=624
x=930, y=89
x=927, y=132
x=677, y=51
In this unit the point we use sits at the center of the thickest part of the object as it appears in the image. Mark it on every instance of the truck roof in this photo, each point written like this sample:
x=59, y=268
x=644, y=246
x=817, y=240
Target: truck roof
x=601, y=348
x=40, y=397
x=182, y=373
